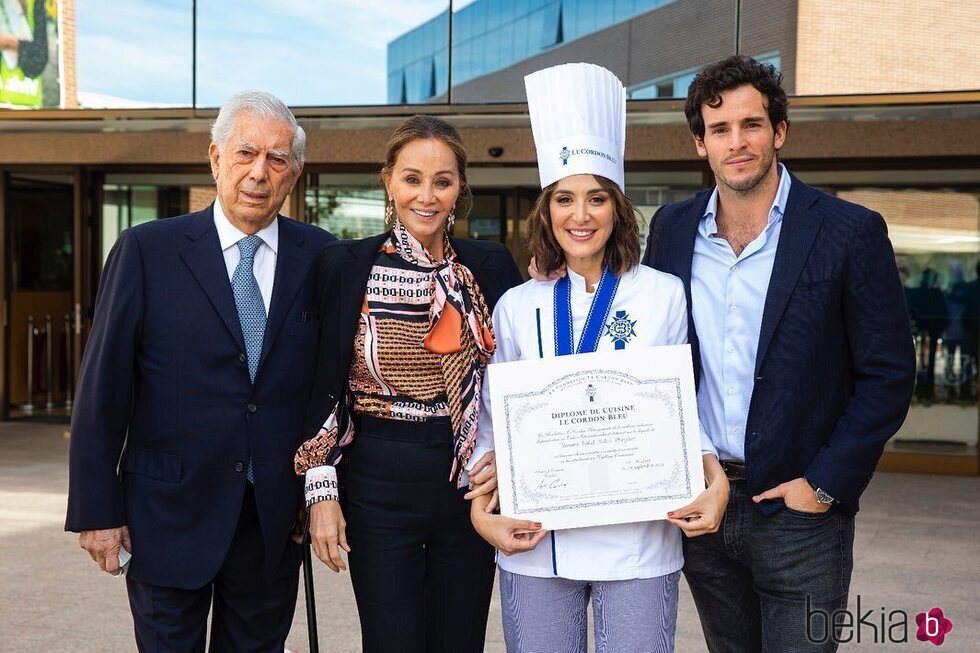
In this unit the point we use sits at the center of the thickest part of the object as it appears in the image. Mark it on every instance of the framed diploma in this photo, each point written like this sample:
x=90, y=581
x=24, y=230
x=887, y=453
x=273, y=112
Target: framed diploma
x=600, y=438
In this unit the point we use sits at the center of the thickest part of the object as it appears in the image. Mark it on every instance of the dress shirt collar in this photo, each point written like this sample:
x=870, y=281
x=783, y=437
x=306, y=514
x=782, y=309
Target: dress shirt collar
x=229, y=234
x=778, y=208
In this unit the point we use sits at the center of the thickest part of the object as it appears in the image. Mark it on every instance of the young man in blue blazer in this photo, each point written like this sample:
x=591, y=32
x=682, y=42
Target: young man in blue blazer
x=191, y=399
x=804, y=357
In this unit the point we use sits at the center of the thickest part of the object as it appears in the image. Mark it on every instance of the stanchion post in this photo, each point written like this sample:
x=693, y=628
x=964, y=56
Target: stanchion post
x=69, y=380
x=49, y=363
x=29, y=404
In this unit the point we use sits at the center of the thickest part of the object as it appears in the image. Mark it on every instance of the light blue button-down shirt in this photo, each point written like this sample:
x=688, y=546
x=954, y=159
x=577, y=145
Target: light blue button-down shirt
x=728, y=295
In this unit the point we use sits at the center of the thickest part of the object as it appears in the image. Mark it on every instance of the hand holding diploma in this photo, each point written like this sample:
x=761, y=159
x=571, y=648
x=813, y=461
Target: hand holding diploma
x=705, y=513
x=483, y=480
x=507, y=535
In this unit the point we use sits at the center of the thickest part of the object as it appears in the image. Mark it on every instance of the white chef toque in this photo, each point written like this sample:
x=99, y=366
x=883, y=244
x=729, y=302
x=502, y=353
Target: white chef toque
x=578, y=117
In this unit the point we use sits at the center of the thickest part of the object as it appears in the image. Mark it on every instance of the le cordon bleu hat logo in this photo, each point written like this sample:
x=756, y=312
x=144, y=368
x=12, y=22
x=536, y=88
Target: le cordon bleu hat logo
x=566, y=154
x=578, y=118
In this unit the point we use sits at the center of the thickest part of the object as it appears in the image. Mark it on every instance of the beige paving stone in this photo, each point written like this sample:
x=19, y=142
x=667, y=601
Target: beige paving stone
x=917, y=546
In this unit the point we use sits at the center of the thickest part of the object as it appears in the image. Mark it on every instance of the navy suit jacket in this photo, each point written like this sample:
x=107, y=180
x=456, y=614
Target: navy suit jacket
x=164, y=395
x=835, y=366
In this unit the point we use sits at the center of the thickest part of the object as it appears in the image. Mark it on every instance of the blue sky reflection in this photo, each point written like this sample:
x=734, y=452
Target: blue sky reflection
x=309, y=53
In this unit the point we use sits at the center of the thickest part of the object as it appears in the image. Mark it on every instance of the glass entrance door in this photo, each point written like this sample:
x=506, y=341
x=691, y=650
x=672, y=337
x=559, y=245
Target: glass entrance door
x=39, y=292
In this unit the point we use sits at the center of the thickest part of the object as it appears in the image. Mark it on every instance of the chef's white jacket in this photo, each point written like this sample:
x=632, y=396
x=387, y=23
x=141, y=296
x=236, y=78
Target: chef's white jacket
x=524, y=328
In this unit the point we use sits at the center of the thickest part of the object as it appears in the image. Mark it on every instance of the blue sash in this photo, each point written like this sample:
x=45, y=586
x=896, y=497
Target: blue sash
x=598, y=312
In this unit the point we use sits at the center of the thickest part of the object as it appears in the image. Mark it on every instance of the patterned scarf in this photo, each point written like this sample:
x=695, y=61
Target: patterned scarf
x=460, y=331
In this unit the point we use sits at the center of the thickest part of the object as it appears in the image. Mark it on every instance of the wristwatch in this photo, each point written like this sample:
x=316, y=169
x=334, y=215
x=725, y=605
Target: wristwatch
x=822, y=495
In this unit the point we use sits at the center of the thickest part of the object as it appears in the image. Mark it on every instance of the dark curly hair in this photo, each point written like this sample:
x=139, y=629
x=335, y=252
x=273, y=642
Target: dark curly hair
x=729, y=74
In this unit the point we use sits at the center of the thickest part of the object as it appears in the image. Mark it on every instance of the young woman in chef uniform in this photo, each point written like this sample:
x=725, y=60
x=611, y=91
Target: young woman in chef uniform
x=585, y=239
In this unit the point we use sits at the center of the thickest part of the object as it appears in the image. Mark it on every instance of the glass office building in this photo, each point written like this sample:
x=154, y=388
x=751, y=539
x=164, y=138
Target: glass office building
x=491, y=35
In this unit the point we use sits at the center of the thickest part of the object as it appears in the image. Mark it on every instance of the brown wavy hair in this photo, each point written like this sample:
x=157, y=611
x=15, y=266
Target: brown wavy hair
x=622, y=249
x=425, y=127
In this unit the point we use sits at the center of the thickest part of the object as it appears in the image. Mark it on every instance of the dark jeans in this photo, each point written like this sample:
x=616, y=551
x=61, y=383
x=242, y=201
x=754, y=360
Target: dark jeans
x=250, y=612
x=422, y=576
x=758, y=578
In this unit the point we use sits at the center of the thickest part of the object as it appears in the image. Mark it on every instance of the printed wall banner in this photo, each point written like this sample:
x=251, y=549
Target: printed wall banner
x=30, y=74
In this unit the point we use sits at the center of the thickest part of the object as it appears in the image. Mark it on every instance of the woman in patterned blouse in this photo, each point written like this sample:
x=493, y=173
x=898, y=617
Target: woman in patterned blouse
x=405, y=335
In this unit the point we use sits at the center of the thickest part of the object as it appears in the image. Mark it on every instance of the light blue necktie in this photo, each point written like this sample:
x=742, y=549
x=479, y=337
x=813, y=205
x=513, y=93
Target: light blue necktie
x=248, y=299
x=251, y=310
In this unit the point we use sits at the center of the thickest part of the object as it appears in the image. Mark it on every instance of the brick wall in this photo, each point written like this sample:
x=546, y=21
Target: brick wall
x=200, y=197
x=69, y=80
x=939, y=210
x=883, y=46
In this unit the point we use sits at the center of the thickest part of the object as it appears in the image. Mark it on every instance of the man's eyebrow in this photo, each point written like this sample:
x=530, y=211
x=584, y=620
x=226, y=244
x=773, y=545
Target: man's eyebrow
x=245, y=145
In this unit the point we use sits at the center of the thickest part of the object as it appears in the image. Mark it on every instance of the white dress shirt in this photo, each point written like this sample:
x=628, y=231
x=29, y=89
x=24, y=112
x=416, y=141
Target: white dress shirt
x=264, y=265
x=524, y=327
x=728, y=295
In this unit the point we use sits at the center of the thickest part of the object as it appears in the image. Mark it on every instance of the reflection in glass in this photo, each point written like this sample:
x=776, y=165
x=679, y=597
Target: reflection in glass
x=346, y=211
x=418, y=63
x=654, y=46
x=39, y=228
x=125, y=206
x=936, y=236
x=649, y=197
x=137, y=53
x=675, y=85
x=487, y=219
x=936, y=242
x=329, y=53
x=40, y=279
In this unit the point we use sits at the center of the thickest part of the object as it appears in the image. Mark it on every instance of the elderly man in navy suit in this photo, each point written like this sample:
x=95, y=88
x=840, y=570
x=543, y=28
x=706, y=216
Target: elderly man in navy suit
x=805, y=363
x=191, y=397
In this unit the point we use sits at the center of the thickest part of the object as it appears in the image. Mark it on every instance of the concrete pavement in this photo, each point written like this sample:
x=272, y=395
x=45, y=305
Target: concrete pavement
x=917, y=547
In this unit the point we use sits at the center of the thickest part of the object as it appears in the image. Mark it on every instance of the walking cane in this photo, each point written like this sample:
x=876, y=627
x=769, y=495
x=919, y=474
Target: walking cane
x=310, y=593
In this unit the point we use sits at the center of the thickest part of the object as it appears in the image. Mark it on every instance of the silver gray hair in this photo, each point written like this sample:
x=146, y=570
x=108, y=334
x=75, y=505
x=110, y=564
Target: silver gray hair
x=262, y=104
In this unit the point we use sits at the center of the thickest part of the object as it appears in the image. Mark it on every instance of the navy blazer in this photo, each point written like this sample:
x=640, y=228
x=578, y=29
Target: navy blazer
x=835, y=366
x=165, y=395
x=342, y=273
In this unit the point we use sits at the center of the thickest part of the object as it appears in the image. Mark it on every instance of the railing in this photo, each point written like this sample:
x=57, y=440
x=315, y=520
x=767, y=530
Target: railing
x=41, y=358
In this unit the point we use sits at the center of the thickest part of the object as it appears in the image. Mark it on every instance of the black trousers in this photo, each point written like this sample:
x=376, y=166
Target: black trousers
x=422, y=576
x=251, y=613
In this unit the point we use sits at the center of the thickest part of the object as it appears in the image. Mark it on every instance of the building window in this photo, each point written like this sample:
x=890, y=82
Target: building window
x=675, y=85
x=935, y=233
x=346, y=211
